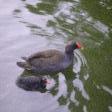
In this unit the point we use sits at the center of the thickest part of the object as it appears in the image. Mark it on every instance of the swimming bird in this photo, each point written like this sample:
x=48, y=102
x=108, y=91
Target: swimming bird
x=50, y=61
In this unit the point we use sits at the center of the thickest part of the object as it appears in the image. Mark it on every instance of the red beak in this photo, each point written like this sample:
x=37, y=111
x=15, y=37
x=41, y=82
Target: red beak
x=79, y=45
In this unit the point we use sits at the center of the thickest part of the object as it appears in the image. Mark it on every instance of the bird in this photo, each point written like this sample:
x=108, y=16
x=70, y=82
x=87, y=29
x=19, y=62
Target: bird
x=32, y=83
x=51, y=60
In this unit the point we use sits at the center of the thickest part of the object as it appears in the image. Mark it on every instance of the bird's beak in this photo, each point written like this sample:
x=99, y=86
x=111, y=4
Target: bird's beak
x=82, y=48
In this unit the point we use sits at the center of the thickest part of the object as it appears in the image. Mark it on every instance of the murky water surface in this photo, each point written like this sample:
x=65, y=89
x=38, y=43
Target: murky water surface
x=28, y=26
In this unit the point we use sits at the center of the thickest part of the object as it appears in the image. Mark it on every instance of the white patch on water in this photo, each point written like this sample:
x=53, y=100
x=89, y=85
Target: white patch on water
x=82, y=58
x=62, y=90
x=76, y=0
x=86, y=76
x=79, y=84
x=85, y=109
x=33, y=2
x=50, y=84
x=110, y=108
x=79, y=61
x=63, y=8
x=98, y=87
x=72, y=98
x=107, y=89
x=101, y=27
x=89, y=19
x=77, y=64
x=5, y=90
x=40, y=21
x=69, y=21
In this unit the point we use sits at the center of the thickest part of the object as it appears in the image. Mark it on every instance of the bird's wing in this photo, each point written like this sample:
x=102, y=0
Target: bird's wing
x=45, y=54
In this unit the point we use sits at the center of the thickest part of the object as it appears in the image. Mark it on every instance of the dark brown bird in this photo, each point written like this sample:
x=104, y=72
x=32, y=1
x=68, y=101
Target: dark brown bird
x=50, y=61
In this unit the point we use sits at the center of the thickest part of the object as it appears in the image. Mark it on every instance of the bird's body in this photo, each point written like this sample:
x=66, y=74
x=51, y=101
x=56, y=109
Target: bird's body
x=50, y=61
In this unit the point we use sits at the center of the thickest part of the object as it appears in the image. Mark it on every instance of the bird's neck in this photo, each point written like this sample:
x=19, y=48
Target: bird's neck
x=69, y=55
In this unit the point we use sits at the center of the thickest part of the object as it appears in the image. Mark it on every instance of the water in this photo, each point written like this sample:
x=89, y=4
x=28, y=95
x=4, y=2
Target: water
x=27, y=26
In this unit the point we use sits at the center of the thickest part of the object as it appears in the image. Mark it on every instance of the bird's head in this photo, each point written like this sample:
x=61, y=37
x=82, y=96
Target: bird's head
x=71, y=46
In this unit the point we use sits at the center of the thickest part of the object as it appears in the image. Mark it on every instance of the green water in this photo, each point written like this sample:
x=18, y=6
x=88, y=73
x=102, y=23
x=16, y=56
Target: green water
x=27, y=26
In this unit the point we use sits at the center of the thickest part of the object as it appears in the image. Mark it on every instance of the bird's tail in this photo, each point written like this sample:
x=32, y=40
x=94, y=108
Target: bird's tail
x=24, y=65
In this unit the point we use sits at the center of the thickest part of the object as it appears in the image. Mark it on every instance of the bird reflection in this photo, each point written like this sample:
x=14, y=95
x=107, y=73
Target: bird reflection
x=29, y=82
x=66, y=87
